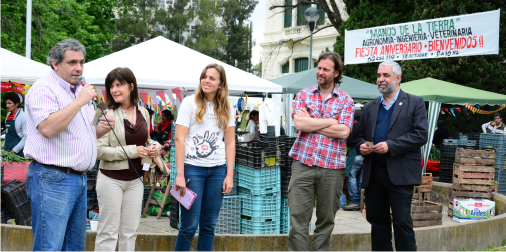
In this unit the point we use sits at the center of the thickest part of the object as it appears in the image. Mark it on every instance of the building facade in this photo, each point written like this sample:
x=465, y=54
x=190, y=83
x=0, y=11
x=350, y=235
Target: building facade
x=280, y=55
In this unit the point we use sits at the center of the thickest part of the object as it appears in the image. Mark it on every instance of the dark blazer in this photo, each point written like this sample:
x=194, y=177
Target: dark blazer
x=407, y=133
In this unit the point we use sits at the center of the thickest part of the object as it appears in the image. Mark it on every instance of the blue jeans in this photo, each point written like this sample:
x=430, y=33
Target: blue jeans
x=207, y=183
x=58, y=202
x=355, y=180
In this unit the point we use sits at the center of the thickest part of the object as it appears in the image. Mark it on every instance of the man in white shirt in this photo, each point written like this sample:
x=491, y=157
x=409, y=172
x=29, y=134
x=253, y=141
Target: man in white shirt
x=496, y=126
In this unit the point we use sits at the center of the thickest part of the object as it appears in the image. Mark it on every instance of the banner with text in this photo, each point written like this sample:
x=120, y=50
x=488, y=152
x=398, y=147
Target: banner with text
x=466, y=35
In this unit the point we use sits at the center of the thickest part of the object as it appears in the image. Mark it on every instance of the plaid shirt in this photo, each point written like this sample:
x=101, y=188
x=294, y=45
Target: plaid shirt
x=314, y=149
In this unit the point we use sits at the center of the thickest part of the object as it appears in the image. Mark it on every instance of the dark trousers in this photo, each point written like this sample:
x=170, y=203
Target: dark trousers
x=381, y=196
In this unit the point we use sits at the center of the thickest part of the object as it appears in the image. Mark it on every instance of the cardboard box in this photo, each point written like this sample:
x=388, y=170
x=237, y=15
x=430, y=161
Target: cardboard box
x=472, y=209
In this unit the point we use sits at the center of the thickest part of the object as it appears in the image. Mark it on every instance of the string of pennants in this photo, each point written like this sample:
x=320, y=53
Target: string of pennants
x=467, y=107
x=157, y=101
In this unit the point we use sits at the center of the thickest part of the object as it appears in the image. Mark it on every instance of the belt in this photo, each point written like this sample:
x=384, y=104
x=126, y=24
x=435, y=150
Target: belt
x=63, y=169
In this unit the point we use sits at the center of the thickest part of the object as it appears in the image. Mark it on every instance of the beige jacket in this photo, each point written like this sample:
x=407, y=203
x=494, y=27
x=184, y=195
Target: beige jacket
x=109, y=151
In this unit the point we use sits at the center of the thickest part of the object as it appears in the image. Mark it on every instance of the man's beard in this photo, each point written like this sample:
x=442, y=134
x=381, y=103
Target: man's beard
x=388, y=90
x=325, y=84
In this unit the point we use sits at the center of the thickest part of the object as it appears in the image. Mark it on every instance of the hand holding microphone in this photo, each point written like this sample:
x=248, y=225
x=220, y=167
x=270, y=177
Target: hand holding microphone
x=87, y=93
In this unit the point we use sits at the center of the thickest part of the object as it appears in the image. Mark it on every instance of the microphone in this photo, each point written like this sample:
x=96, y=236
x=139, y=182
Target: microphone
x=81, y=81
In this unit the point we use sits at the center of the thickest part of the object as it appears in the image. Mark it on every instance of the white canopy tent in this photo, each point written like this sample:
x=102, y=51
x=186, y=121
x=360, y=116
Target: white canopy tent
x=161, y=64
x=19, y=69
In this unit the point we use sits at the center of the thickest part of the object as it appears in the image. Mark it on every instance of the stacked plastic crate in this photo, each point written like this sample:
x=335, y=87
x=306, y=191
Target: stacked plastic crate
x=229, y=221
x=91, y=195
x=285, y=218
x=17, y=202
x=497, y=142
x=447, y=158
x=259, y=186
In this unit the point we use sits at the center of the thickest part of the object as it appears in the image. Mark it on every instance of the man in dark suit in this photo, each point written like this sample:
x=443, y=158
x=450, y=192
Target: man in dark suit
x=396, y=123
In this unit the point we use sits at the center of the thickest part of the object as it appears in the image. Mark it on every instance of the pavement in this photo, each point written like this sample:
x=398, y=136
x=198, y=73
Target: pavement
x=345, y=221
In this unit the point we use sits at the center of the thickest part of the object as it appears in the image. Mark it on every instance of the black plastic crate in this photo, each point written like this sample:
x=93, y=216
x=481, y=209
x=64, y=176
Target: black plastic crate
x=91, y=184
x=258, y=154
x=448, y=150
x=285, y=181
x=17, y=202
x=174, y=213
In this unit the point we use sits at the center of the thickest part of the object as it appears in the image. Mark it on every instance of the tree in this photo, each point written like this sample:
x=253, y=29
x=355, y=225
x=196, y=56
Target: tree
x=207, y=38
x=487, y=72
x=234, y=24
x=89, y=21
x=174, y=23
x=136, y=23
x=257, y=69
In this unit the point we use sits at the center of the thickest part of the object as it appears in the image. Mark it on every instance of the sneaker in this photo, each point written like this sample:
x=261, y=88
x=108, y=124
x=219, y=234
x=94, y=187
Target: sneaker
x=351, y=207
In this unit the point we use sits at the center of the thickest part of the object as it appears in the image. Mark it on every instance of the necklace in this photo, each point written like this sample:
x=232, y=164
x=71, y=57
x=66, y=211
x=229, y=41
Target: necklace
x=131, y=124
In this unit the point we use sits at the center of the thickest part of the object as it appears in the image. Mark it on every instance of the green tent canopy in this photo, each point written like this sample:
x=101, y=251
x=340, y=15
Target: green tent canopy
x=358, y=90
x=433, y=90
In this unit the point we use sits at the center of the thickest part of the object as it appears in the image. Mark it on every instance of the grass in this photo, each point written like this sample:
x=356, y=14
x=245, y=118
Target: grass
x=492, y=247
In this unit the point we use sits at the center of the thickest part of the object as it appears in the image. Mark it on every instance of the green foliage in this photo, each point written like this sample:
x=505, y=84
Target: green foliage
x=89, y=21
x=136, y=23
x=235, y=25
x=257, y=69
x=207, y=37
x=487, y=72
x=175, y=21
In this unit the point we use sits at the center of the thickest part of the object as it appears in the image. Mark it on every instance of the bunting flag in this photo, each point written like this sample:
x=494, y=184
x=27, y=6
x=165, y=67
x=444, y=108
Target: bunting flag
x=144, y=97
x=178, y=95
x=103, y=95
x=479, y=111
x=447, y=111
x=458, y=109
x=465, y=110
x=162, y=95
x=452, y=111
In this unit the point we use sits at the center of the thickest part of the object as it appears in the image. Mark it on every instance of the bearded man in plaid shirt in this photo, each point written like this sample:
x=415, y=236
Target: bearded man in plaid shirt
x=323, y=115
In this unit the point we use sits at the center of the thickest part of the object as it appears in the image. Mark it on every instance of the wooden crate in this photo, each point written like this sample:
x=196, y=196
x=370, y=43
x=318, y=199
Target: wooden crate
x=473, y=174
x=450, y=209
x=475, y=161
x=422, y=194
x=483, y=154
x=426, y=213
x=426, y=181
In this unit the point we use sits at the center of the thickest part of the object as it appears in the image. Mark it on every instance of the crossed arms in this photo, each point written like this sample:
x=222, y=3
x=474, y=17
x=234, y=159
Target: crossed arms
x=325, y=126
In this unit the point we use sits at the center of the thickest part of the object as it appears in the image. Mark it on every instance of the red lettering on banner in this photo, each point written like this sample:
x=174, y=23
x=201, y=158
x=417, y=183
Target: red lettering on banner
x=431, y=46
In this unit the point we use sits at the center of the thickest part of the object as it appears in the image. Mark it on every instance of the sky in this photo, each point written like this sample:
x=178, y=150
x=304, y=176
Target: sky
x=258, y=18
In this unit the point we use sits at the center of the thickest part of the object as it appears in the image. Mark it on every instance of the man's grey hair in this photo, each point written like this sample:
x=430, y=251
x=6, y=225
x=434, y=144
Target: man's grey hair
x=57, y=53
x=396, y=68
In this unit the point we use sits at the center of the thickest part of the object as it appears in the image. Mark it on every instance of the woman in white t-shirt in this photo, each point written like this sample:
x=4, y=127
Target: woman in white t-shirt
x=252, y=126
x=205, y=153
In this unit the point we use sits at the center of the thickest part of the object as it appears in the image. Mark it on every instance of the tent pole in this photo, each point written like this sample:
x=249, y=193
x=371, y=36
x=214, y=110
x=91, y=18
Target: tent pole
x=28, y=29
x=432, y=114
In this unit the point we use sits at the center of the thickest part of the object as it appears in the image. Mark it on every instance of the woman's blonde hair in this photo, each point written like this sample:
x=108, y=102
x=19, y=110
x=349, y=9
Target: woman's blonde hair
x=221, y=104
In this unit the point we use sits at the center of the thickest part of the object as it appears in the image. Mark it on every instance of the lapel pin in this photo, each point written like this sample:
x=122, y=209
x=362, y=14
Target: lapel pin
x=400, y=103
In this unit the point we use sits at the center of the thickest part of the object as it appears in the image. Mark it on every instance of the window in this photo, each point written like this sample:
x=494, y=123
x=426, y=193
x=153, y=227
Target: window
x=301, y=64
x=288, y=14
x=192, y=29
x=301, y=19
x=285, y=68
x=315, y=64
x=321, y=20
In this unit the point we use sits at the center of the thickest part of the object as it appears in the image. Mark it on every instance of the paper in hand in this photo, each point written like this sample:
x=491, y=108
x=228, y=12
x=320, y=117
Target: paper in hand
x=187, y=199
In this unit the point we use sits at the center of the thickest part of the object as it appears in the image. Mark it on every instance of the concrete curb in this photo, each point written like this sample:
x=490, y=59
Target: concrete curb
x=476, y=235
